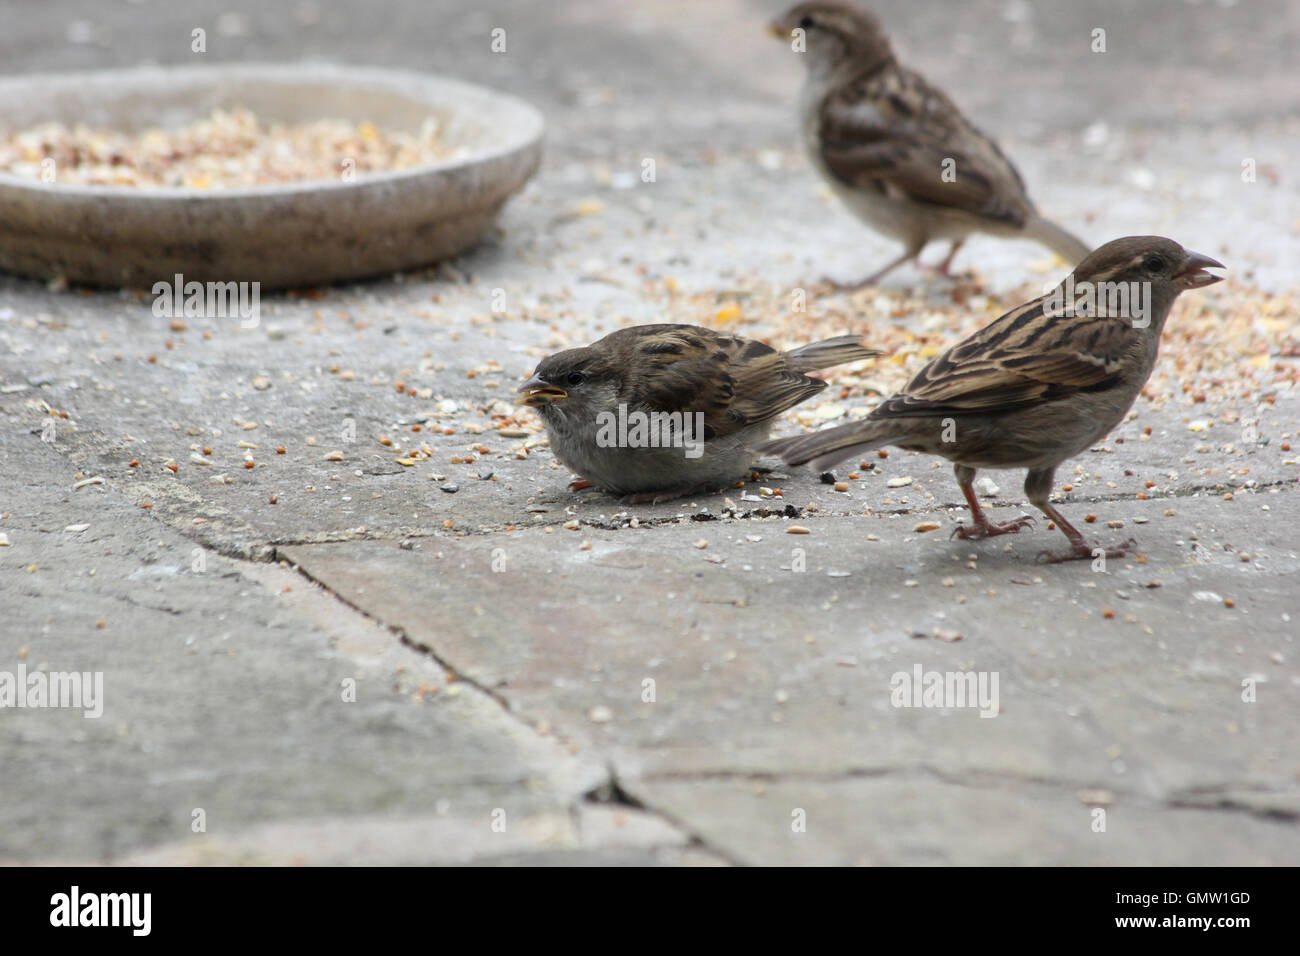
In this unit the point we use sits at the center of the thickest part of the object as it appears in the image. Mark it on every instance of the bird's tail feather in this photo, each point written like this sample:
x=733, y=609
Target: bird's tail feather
x=830, y=446
x=1064, y=244
x=829, y=352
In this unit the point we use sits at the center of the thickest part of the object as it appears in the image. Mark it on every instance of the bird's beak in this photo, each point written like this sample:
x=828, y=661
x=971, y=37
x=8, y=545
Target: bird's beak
x=777, y=29
x=538, y=392
x=1193, y=275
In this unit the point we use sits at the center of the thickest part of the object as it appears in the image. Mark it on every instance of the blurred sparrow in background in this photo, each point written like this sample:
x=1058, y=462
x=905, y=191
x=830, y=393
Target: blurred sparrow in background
x=654, y=412
x=1036, y=386
x=896, y=150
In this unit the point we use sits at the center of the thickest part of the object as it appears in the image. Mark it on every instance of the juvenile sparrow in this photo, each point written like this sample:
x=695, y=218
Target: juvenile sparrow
x=654, y=412
x=1034, y=387
x=896, y=150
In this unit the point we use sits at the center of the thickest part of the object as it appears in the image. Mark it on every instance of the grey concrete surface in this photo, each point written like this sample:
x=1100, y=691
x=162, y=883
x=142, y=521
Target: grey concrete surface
x=501, y=659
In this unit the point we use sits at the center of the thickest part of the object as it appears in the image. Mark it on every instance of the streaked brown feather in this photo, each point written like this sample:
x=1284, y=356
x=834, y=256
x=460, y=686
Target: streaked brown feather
x=734, y=381
x=892, y=131
x=996, y=370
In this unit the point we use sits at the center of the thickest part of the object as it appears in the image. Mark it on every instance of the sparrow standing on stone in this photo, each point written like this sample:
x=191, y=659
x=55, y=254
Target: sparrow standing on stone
x=1036, y=386
x=724, y=389
x=896, y=150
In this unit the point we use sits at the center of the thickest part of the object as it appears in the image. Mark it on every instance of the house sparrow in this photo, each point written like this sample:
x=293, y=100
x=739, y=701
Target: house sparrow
x=654, y=412
x=896, y=150
x=1036, y=386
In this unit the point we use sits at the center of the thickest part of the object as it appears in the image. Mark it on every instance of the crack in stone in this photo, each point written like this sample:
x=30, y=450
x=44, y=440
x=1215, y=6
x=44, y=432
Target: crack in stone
x=400, y=633
x=1223, y=797
x=127, y=599
x=612, y=791
x=989, y=780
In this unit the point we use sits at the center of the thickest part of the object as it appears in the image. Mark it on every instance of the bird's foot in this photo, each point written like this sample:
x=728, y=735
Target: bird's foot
x=579, y=483
x=1082, y=552
x=988, y=529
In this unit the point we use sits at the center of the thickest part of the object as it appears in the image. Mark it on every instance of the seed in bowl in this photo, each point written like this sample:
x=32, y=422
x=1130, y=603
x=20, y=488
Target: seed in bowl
x=228, y=149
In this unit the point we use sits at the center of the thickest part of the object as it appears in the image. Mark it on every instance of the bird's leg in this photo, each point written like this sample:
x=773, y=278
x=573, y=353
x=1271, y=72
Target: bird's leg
x=1038, y=487
x=1079, y=548
x=981, y=526
x=947, y=262
x=911, y=252
x=579, y=483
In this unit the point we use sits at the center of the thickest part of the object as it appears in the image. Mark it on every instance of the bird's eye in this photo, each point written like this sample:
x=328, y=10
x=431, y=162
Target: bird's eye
x=576, y=378
x=1153, y=264
x=805, y=22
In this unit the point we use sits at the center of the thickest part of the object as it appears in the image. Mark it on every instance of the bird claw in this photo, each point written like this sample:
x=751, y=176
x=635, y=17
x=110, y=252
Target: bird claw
x=579, y=483
x=1082, y=552
x=990, y=528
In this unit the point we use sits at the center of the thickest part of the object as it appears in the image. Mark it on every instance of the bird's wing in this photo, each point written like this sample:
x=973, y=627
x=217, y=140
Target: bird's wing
x=894, y=133
x=733, y=381
x=687, y=369
x=770, y=382
x=1020, y=359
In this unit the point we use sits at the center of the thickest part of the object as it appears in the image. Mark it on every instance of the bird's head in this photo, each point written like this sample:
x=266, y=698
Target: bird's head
x=830, y=34
x=576, y=383
x=1148, y=259
x=1137, y=278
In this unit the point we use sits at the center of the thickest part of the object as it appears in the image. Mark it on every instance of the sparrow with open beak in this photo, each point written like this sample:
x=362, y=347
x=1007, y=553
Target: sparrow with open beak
x=1036, y=386
x=896, y=150
x=654, y=412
